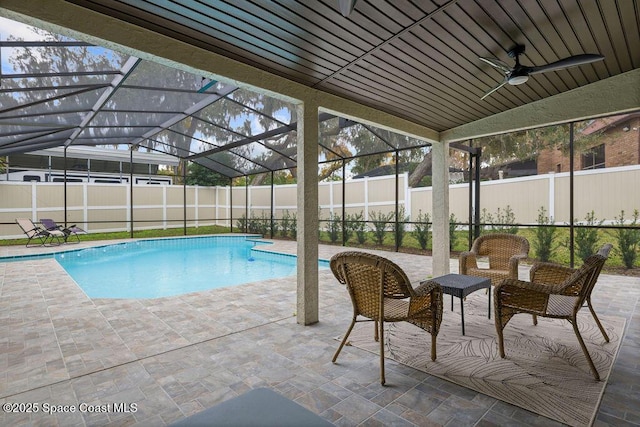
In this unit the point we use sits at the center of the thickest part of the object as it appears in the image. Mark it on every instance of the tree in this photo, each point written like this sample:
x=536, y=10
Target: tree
x=237, y=117
x=199, y=175
x=522, y=145
x=423, y=169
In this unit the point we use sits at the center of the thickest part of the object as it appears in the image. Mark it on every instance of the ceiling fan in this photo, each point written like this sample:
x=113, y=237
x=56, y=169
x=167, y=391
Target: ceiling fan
x=519, y=73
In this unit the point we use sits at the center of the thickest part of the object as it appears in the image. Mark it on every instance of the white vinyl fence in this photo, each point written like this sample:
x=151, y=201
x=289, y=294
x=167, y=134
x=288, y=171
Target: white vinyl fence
x=108, y=207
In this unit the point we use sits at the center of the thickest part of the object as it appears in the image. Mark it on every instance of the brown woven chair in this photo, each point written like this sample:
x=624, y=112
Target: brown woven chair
x=554, y=291
x=504, y=252
x=381, y=292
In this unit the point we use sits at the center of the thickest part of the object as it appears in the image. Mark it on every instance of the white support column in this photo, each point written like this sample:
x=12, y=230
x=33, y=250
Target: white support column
x=440, y=206
x=307, y=195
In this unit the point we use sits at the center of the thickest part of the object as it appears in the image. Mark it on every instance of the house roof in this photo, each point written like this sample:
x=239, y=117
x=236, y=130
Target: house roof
x=606, y=123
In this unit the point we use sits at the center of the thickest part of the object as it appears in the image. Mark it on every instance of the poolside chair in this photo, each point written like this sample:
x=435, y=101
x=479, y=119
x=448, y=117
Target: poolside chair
x=381, y=292
x=74, y=230
x=553, y=291
x=504, y=251
x=35, y=232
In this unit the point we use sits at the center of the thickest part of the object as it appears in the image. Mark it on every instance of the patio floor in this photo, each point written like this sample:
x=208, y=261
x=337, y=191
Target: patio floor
x=176, y=356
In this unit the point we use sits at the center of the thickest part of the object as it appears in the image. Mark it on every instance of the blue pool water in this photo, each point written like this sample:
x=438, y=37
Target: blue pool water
x=166, y=267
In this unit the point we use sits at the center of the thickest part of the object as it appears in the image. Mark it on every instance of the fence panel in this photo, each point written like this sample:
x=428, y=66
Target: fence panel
x=106, y=207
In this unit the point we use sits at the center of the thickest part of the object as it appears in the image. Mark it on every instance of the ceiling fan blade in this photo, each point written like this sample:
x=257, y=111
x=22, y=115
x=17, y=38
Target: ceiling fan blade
x=346, y=6
x=494, y=62
x=494, y=89
x=571, y=61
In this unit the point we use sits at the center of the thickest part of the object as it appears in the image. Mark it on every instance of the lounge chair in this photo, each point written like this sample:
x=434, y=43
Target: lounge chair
x=74, y=230
x=36, y=232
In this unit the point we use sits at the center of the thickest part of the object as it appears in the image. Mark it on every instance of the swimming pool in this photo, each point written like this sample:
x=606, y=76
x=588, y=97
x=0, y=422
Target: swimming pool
x=168, y=267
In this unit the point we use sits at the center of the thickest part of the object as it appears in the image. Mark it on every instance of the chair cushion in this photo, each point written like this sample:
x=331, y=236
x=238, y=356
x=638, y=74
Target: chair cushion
x=561, y=305
x=395, y=309
x=485, y=272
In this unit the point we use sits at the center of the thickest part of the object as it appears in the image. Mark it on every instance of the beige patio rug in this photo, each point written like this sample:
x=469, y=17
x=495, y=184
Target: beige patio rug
x=545, y=370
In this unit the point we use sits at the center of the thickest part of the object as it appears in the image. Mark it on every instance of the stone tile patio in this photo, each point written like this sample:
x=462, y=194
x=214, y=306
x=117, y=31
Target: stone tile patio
x=176, y=356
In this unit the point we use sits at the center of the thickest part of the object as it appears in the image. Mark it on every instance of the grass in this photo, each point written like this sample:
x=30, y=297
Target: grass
x=138, y=234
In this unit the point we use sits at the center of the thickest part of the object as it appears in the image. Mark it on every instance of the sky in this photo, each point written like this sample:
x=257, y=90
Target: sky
x=7, y=28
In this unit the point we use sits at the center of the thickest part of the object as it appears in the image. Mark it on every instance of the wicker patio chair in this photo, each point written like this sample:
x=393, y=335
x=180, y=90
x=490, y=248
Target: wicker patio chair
x=504, y=252
x=553, y=291
x=381, y=292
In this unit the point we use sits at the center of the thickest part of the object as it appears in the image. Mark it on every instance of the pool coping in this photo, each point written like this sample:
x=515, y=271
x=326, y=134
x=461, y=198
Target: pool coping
x=28, y=257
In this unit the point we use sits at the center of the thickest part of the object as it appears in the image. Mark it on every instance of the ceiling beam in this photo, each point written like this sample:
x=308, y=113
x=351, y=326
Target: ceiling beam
x=617, y=94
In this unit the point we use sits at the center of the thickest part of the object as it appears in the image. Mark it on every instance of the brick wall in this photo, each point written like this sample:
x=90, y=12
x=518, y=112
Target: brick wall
x=622, y=148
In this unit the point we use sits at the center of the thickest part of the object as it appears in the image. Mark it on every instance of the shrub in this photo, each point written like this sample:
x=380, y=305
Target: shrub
x=294, y=226
x=259, y=225
x=421, y=229
x=503, y=222
x=348, y=227
x=587, y=237
x=544, y=236
x=380, y=222
x=628, y=239
x=400, y=226
x=241, y=223
x=285, y=224
x=252, y=224
x=275, y=226
x=359, y=227
x=452, y=231
x=334, y=227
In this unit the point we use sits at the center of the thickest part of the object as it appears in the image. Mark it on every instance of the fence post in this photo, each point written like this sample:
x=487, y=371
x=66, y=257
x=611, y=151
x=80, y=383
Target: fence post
x=344, y=195
x=85, y=205
x=407, y=195
x=272, y=203
x=366, y=198
x=552, y=194
x=164, y=207
x=196, y=208
x=34, y=201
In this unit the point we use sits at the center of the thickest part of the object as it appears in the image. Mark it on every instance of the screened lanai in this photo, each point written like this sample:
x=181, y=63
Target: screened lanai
x=413, y=68
x=62, y=92
x=59, y=92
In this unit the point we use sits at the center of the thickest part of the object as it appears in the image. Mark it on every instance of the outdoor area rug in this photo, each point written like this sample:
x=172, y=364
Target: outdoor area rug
x=545, y=370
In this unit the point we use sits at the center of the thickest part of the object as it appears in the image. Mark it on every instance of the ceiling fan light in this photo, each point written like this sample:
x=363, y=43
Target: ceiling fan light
x=518, y=80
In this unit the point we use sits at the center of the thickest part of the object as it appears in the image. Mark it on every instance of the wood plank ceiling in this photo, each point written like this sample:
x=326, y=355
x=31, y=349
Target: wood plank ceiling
x=414, y=59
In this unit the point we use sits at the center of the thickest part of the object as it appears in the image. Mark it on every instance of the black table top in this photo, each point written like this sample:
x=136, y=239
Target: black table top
x=460, y=285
